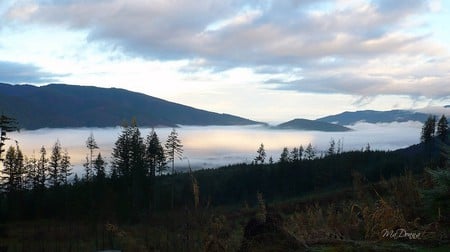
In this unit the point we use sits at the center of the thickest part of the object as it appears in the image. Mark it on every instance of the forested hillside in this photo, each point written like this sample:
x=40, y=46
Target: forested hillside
x=356, y=200
x=59, y=105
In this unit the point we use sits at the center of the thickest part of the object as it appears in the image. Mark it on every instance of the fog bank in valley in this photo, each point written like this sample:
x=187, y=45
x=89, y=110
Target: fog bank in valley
x=213, y=146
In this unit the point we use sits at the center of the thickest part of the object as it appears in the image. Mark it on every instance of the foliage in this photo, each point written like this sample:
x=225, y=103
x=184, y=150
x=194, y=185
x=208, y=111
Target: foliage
x=261, y=155
x=428, y=130
x=174, y=148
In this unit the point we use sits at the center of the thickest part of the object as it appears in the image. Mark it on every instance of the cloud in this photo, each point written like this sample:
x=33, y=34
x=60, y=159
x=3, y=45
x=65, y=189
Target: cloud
x=13, y=72
x=356, y=47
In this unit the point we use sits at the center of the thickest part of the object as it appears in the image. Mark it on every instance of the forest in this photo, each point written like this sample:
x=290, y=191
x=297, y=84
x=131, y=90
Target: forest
x=365, y=200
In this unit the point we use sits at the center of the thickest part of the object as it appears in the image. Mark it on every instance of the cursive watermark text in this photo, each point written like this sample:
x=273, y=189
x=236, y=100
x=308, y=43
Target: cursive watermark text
x=400, y=233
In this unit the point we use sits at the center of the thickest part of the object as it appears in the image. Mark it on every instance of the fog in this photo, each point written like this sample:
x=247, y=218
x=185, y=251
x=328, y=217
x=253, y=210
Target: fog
x=214, y=146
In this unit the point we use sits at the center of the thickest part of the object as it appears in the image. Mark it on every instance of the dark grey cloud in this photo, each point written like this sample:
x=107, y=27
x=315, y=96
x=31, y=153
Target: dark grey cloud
x=13, y=72
x=355, y=47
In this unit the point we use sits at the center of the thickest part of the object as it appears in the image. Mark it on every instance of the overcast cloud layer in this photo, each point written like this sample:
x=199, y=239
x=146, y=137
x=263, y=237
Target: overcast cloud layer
x=359, y=47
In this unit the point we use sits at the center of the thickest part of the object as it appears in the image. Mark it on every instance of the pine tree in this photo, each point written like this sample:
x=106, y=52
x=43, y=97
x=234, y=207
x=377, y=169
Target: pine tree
x=331, y=150
x=295, y=155
x=55, y=165
x=13, y=170
x=7, y=124
x=99, y=167
x=88, y=173
x=284, y=157
x=31, y=168
x=91, y=144
x=442, y=128
x=154, y=154
x=261, y=154
x=428, y=130
x=174, y=148
x=42, y=169
x=121, y=163
x=310, y=153
x=301, y=151
x=65, y=168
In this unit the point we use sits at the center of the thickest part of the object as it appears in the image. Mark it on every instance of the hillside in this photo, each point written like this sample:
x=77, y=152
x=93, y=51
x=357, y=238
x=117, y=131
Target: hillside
x=372, y=116
x=304, y=124
x=60, y=105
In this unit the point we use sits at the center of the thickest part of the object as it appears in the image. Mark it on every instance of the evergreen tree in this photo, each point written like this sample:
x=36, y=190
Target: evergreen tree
x=428, y=130
x=88, y=173
x=13, y=170
x=55, y=165
x=284, y=157
x=295, y=155
x=261, y=154
x=99, y=167
x=65, y=168
x=91, y=144
x=331, y=150
x=42, y=169
x=31, y=168
x=121, y=163
x=7, y=124
x=128, y=160
x=301, y=151
x=174, y=148
x=442, y=128
x=154, y=154
x=310, y=153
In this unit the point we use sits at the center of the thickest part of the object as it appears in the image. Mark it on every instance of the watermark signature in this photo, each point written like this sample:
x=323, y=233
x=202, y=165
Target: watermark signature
x=400, y=233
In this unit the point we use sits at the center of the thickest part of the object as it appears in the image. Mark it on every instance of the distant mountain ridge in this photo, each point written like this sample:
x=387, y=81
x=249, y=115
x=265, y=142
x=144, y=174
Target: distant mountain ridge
x=372, y=116
x=61, y=105
x=305, y=124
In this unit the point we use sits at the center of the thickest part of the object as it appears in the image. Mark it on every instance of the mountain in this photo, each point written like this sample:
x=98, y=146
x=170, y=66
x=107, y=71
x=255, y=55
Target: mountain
x=60, y=105
x=304, y=124
x=372, y=116
x=447, y=106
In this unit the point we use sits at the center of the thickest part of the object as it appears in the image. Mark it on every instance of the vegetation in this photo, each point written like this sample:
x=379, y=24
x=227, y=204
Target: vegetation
x=338, y=201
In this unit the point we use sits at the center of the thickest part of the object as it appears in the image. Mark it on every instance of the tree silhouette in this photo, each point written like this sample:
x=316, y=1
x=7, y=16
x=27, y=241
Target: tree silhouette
x=442, y=128
x=261, y=154
x=428, y=130
x=174, y=148
x=91, y=144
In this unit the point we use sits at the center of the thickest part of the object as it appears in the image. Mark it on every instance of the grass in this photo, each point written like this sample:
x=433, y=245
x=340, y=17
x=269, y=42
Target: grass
x=349, y=219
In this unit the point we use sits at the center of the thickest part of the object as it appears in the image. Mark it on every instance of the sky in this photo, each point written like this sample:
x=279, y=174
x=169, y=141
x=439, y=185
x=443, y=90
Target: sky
x=267, y=60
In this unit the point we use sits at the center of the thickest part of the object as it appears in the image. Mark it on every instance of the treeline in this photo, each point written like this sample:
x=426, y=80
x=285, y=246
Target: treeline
x=139, y=184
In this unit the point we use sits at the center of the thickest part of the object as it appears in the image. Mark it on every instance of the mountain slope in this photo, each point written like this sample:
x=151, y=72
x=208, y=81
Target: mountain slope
x=304, y=124
x=372, y=116
x=60, y=105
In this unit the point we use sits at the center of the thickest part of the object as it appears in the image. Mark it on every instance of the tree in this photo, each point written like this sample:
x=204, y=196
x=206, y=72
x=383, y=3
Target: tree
x=31, y=168
x=261, y=154
x=13, y=170
x=442, y=128
x=128, y=160
x=295, y=155
x=428, y=130
x=7, y=124
x=174, y=148
x=284, y=157
x=88, y=173
x=55, y=165
x=42, y=169
x=310, y=153
x=91, y=144
x=99, y=167
x=65, y=168
x=301, y=150
x=331, y=150
x=154, y=154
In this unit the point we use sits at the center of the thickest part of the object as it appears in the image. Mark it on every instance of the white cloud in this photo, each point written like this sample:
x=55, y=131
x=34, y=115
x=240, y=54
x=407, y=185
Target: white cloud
x=361, y=49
